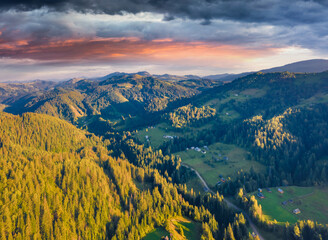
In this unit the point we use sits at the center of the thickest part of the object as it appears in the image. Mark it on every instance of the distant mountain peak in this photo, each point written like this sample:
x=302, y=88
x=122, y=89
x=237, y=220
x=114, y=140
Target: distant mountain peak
x=306, y=66
x=144, y=74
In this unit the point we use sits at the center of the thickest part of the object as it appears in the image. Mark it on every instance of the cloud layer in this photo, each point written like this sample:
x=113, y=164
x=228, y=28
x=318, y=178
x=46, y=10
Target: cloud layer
x=180, y=36
x=269, y=11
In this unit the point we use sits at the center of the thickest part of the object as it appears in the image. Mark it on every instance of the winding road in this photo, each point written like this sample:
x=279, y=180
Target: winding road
x=230, y=204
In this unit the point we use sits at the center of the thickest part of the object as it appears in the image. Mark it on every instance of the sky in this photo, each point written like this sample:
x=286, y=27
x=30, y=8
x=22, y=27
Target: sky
x=58, y=39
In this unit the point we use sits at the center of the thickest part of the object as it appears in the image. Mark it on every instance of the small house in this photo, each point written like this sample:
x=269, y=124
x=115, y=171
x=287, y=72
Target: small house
x=197, y=149
x=296, y=211
x=259, y=190
x=280, y=190
x=203, y=152
x=225, y=158
x=223, y=180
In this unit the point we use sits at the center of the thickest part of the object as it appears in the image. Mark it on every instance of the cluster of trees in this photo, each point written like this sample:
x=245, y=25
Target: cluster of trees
x=291, y=145
x=187, y=115
x=51, y=184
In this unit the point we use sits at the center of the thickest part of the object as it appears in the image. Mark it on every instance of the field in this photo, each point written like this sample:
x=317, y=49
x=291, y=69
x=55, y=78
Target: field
x=312, y=202
x=219, y=159
x=191, y=230
x=156, y=234
x=195, y=184
x=156, y=133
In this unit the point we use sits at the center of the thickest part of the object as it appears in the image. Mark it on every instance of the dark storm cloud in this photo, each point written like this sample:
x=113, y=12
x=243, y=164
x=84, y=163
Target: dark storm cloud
x=281, y=12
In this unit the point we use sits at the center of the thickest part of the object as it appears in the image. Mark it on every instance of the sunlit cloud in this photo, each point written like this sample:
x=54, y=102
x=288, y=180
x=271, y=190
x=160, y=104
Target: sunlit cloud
x=66, y=43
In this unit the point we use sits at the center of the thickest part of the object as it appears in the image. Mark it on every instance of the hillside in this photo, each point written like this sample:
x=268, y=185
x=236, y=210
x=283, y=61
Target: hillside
x=59, y=182
x=13, y=96
x=280, y=118
x=116, y=97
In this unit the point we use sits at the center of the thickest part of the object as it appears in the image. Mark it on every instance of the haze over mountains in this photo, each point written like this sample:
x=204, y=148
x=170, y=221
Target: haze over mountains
x=309, y=66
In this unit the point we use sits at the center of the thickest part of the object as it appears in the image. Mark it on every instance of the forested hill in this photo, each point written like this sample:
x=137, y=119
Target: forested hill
x=267, y=93
x=13, y=96
x=113, y=97
x=280, y=118
x=59, y=182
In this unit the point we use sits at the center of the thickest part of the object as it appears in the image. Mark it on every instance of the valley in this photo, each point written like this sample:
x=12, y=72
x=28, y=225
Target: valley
x=181, y=157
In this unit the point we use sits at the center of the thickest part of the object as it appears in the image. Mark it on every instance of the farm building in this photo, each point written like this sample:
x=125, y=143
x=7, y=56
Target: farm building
x=280, y=190
x=167, y=136
x=197, y=149
x=296, y=211
x=260, y=195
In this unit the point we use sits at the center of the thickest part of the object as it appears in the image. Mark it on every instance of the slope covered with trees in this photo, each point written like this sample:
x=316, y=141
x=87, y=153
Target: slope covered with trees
x=59, y=182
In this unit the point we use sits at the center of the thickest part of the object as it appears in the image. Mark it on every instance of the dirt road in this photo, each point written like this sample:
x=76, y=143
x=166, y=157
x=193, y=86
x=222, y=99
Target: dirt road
x=230, y=204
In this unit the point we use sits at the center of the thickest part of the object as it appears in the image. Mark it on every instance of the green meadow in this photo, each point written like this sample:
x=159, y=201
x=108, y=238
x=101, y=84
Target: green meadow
x=211, y=164
x=312, y=202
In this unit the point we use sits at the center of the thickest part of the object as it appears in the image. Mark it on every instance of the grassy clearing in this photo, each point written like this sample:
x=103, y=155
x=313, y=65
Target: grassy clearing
x=157, y=233
x=312, y=202
x=195, y=184
x=211, y=164
x=228, y=115
x=191, y=230
x=143, y=186
x=318, y=98
x=156, y=133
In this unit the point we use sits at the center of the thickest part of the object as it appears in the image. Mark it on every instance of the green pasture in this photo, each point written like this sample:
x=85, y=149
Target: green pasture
x=211, y=164
x=312, y=202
